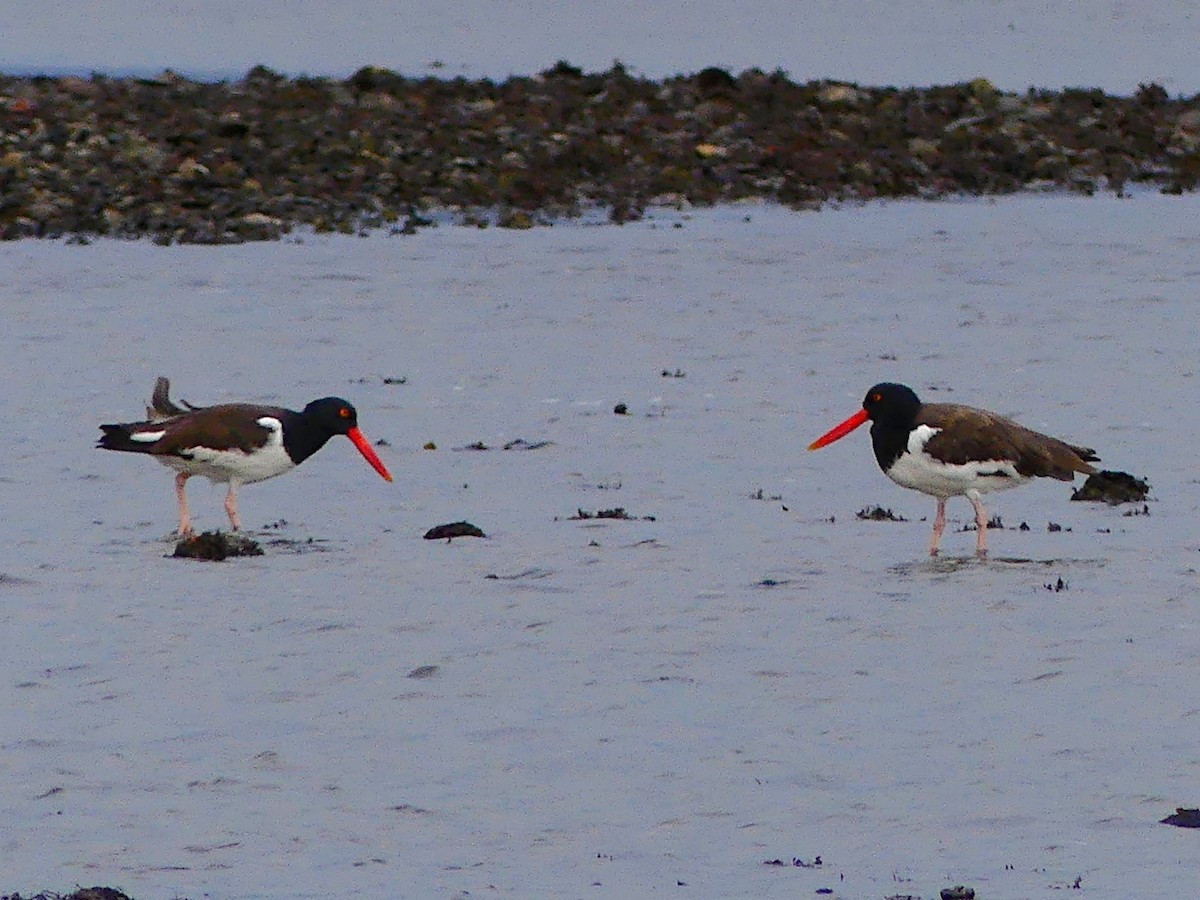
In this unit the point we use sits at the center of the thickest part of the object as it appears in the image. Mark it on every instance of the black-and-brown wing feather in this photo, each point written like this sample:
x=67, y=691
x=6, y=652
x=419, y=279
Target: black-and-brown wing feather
x=229, y=426
x=970, y=435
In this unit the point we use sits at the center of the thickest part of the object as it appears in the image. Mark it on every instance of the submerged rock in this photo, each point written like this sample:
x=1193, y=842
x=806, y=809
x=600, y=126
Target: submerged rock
x=1112, y=487
x=1183, y=817
x=216, y=546
x=453, y=530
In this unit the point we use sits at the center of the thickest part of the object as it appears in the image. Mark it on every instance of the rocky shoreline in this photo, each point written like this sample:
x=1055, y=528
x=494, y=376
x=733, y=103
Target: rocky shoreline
x=177, y=160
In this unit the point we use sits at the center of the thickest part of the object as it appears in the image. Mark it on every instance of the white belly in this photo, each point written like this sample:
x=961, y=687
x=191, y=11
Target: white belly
x=918, y=470
x=236, y=465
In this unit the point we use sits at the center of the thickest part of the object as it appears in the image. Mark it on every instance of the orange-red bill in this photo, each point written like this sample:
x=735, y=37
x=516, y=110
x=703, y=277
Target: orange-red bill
x=840, y=431
x=368, y=453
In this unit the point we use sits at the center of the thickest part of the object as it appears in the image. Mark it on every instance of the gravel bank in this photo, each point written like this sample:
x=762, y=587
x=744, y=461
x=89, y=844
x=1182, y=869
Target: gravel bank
x=184, y=161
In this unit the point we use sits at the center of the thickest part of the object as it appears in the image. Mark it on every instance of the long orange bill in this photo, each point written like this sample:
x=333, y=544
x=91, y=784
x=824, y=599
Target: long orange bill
x=368, y=453
x=840, y=431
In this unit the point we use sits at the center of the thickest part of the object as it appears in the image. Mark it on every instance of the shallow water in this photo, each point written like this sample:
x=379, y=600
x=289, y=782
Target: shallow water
x=628, y=704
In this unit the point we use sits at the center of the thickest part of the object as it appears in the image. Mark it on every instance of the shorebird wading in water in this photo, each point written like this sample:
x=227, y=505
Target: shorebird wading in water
x=237, y=443
x=946, y=450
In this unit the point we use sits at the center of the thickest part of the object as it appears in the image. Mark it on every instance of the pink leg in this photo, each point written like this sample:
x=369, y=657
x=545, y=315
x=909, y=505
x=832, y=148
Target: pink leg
x=231, y=506
x=939, y=525
x=185, y=520
x=980, y=528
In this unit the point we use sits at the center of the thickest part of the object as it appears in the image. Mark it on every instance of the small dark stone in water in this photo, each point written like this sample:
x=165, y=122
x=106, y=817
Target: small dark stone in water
x=1112, y=487
x=958, y=892
x=1024, y=526
x=1053, y=527
x=878, y=514
x=621, y=409
x=423, y=672
x=1057, y=586
x=216, y=546
x=1183, y=817
x=453, y=530
x=478, y=445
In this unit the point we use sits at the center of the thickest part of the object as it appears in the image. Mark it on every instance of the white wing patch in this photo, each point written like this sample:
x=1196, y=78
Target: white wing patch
x=146, y=437
x=918, y=470
x=267, y=461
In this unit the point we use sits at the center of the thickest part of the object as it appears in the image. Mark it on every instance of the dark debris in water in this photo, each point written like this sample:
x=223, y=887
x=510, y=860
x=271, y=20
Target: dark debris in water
x=1056, y=586
x=517, y=444
x=617, y=512
x=995, y=523
x=88, y=893
x=452, y=530
x=772, y=582
x=178, y=160
x=1183, y=817
x=522, y=444
x=216, y=546
x=1112, y=487
x=760, y=494
x=878, y=514
x=796, y=862
x=533, y=573
x=300, y=545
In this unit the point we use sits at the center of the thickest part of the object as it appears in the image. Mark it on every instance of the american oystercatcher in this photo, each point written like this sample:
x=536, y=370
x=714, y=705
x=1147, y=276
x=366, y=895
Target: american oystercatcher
x=238, y=443
x=946, y=450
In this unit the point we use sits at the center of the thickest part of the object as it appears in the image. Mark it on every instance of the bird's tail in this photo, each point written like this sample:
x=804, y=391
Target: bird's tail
x=121, y=437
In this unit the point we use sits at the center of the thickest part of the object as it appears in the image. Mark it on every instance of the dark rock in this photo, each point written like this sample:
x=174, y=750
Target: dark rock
x=1113, y=488
x=453, y=530
x=1183, y=817
x=216, y=546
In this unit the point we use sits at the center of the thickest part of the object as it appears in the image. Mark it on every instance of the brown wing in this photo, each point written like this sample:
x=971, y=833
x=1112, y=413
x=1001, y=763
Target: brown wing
x=227, y=426
x=970, y=434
